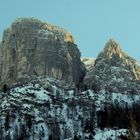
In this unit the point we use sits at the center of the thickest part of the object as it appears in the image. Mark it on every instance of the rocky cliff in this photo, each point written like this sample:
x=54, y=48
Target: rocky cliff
x=32, y=48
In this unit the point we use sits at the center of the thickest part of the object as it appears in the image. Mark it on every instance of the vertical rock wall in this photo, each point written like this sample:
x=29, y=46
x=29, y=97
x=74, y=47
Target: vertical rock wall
x=32, y=48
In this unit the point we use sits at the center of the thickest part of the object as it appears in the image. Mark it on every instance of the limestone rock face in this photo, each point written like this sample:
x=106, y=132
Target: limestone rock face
x=33, y=48
x=114, y=70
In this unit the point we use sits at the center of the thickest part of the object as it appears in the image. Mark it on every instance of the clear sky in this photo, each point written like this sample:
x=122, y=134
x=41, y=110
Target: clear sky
x=92, y=22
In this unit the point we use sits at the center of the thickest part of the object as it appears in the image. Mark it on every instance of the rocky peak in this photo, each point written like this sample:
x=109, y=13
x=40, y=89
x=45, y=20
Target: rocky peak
x=114, y=68
x=111, y=48
x=114, y=55
x=32, y=48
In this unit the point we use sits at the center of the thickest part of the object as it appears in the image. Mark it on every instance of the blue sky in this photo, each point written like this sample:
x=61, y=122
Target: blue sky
x=92, y=22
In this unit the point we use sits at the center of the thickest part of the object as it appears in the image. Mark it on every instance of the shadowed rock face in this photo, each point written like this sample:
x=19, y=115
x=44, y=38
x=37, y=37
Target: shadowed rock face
x=32, y=48
x=114, y=70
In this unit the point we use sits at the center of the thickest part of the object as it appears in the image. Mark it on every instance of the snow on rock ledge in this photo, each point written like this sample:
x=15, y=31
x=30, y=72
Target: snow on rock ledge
x=35, y=112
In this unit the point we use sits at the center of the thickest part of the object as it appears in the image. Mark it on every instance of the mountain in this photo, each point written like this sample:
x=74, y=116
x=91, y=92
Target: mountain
x=113, y=55
x=48, y=93
x=114, y=70
x=32, y=48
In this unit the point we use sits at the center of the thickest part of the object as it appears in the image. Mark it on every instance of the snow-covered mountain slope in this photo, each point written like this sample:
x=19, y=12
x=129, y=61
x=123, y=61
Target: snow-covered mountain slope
x=37, y=112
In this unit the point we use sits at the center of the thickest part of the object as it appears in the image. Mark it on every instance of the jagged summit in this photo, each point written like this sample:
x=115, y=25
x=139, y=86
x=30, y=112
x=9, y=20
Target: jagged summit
x=114, y=55
x=113, y=68
x=112, y=48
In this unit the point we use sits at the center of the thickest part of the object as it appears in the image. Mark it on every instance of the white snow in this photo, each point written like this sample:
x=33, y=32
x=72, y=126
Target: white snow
x=126, y=98
x=109, y=133
x=34, y=100
x=39, y=93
